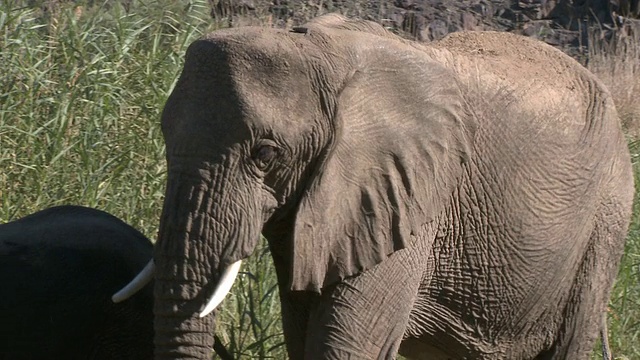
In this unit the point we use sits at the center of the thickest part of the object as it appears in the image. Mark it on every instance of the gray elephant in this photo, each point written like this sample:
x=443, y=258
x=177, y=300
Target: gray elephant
x=58, y=270
x=463, y=199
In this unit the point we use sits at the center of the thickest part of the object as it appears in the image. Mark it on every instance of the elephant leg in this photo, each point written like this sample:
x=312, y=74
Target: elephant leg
x=365, y=317
x=295, y=306
x=295, y=317
x=590, y=294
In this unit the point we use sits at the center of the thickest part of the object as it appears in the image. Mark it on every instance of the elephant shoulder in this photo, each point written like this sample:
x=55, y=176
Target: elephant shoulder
x=488, y=44
x=535, y=89
x=515, y=59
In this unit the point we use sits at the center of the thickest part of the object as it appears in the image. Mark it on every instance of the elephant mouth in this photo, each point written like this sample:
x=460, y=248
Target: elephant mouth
x=223, y=287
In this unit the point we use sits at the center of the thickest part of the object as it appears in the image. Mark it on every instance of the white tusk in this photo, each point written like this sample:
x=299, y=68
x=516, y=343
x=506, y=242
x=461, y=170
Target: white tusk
x=138, y=282
x=226, y=282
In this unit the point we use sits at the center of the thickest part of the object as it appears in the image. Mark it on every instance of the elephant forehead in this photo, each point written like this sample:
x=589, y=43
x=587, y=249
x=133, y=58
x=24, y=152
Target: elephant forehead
x=266, y=56
x=249, y=79
x=199, y=115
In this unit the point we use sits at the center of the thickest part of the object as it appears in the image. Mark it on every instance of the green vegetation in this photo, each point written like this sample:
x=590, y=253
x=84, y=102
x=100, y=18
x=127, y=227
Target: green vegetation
x=81, y=91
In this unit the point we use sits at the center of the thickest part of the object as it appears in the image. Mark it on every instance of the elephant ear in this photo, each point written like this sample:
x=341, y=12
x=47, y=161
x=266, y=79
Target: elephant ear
x=400, y=135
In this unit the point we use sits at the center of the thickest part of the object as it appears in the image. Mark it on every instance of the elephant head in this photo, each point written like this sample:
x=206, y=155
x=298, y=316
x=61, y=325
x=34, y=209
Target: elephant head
x=337, y=140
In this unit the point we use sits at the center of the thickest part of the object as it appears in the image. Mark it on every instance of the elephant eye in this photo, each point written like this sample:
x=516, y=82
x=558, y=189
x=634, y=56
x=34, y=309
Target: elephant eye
x=264, y=154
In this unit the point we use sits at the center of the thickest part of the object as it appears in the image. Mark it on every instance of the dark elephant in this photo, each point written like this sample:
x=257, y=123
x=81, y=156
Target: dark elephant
x=58, y=270
x=462, y=199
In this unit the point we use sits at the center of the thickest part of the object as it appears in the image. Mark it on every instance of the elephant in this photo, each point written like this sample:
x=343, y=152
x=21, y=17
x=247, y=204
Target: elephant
x=462, y=199
x=59, y=268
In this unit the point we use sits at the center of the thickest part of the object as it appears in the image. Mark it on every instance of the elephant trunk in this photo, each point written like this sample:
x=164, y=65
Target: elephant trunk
x=196, y=243
x=179, y=332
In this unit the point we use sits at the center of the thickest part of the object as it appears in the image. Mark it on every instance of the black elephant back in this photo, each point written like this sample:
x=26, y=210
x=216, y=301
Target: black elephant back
x=59, y=268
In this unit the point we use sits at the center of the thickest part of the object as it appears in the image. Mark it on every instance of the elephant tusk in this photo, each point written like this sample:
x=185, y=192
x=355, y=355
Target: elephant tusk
x=138, y=282
x=226, y=282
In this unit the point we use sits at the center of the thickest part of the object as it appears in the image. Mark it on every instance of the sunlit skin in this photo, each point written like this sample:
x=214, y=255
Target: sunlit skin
x=417, y=198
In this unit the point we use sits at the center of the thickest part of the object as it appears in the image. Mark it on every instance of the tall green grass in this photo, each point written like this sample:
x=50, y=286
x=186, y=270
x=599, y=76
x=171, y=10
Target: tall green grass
x=81, y=91
x=80, y=95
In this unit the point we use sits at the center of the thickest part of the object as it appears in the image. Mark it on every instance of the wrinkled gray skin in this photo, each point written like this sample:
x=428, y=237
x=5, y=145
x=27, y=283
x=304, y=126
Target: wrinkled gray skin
x=463, y=199
x=58, y=270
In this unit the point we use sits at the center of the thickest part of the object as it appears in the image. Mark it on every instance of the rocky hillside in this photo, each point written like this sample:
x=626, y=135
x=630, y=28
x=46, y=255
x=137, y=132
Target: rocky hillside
x=566, y=24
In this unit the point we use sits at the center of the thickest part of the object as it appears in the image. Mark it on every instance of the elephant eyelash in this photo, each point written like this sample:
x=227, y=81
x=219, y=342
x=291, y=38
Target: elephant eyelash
x=264, y=154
